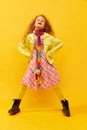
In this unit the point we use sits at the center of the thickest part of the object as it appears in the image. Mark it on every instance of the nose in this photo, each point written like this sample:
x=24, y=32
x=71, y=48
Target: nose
x=40, y=20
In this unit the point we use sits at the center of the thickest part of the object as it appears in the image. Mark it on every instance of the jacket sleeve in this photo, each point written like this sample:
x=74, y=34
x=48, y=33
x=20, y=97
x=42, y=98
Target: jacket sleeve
x=56, y=44
x=24, y=47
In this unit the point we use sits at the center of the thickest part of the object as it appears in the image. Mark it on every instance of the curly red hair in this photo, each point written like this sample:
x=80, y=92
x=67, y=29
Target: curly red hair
x=31, y=26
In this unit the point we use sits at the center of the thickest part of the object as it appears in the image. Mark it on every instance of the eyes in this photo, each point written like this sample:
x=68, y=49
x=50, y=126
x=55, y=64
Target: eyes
x=40, y=19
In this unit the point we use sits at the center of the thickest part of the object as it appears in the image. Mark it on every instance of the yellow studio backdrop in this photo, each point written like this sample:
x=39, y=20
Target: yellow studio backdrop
x=69, y=21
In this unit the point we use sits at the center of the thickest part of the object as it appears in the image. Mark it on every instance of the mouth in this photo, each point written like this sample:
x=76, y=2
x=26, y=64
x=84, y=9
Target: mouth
x=40, y=23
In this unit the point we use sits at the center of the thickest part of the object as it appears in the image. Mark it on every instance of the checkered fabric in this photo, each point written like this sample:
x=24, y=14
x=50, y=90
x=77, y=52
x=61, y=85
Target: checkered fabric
x=49, y=74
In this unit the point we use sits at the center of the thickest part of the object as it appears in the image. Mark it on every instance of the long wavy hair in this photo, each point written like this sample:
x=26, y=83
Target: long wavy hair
x=31, y=26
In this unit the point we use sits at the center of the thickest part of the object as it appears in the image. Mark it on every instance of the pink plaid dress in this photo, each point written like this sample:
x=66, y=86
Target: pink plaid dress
x=49, y=74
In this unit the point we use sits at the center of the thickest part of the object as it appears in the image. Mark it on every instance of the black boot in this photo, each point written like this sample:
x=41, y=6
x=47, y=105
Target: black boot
x=15, y=108
x=65, y=109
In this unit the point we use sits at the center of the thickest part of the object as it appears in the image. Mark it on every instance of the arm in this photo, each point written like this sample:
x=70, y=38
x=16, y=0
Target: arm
x=56, y=44
x=24, y=47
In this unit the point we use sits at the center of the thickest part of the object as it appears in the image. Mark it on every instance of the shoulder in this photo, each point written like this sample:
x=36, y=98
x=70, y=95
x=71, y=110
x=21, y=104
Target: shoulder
x=30, y=37
x=47, y=35
x=51, y=37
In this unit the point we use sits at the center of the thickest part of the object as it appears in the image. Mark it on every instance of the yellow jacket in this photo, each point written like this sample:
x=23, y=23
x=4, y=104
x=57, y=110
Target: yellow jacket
x=51, y=45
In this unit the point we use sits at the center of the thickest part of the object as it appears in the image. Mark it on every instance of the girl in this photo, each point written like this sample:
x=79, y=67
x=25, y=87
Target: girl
x=39, y=45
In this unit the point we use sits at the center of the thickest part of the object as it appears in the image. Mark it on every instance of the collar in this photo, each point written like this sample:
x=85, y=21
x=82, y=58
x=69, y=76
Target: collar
x=32, y=35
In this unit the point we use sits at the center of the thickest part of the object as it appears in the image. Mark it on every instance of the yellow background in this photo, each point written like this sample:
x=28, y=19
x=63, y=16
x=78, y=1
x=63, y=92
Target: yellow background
x=69, y=21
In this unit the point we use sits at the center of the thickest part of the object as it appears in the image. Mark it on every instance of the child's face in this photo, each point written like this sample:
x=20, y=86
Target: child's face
x=40, y=22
